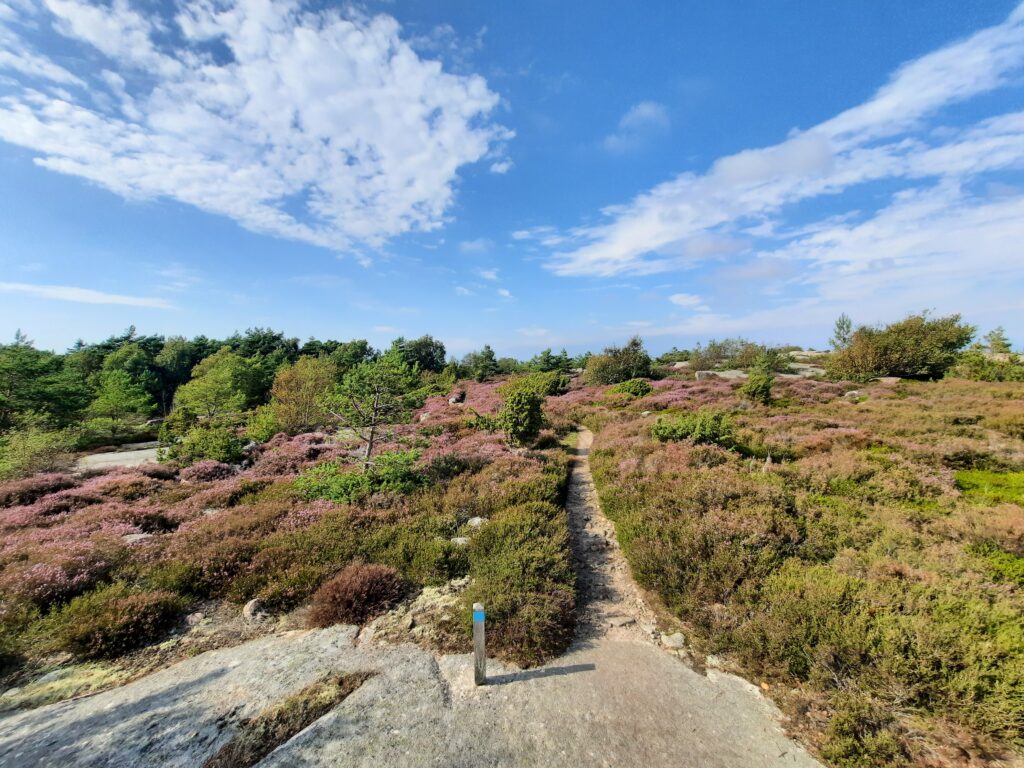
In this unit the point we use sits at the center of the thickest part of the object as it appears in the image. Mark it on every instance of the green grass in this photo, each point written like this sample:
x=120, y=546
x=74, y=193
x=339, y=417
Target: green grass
x=992, y=487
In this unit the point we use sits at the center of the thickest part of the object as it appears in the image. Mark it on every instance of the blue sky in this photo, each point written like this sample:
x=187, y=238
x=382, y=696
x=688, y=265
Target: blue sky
x=524, y=174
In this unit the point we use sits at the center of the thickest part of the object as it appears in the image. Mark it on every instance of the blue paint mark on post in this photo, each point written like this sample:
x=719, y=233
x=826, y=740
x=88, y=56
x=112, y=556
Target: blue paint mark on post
x=479, y=646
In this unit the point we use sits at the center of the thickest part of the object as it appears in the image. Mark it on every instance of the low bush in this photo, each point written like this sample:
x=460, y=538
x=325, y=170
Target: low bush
x=522, y=572
x=357, y=594
x=521, y=416
x=634, y=387
x=705, y=426
x=618, y=364
x=111, y=620
x=29, y=489
x=990, y=487
x=978, y=365
x=758, y=386
x=207, y=443
x=206, y=471
x=546, y=384
x=33, y=449
x=917, y=347
x=392, y=472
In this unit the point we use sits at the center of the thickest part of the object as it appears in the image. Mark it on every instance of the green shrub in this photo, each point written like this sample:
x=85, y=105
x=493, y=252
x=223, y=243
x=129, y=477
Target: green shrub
x=705, y=426
x=758, y=386
x=618, y=364
x=112, y=620
x=1004, y=566
x=392, y=472
x=914, y=348
x=977, y=365
x=861, y=734
x=522, y=572
x=737, y=354
x=33, y=449
x=545, y=384
x=262, y=424
x=201, y=443
x=521, y=416
x=634, y=387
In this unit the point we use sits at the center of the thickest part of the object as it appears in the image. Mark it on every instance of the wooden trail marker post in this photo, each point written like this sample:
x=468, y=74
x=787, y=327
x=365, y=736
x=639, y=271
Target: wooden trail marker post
x=479, y=646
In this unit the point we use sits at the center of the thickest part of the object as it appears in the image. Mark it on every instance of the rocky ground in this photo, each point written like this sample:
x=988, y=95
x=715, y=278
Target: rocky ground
x=623, y=695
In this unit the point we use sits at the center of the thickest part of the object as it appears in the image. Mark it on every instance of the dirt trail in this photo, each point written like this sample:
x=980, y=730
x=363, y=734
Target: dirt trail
x=616, y=698
x=610, y=603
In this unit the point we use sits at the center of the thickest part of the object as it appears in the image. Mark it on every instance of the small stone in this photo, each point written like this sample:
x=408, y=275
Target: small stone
x=675, y=641
x=621, y=621
x=424, y=416
x=253, y=612
x=460, y=541
x=852, y=394
x=193, y=619
x=132, y=538
x=476, y=522
x=765, y=686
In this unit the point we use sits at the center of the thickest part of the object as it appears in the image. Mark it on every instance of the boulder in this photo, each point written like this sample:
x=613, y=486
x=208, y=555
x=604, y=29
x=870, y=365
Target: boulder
x=458, y=397
x=704, y=375
x=253, y=612
x=476, y=522
x=675, y=641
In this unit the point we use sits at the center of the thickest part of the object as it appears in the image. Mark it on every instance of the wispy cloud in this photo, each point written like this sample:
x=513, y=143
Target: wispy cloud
x=488, y=274
x=641, y=123
x=944, y=233
x=83, y=295
x=477, y=246
x=505, y=293
x=688, y=300
x=319, y=126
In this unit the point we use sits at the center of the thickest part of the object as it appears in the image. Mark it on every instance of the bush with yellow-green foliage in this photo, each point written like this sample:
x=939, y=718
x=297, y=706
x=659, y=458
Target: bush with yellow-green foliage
x=632, y=387
x=33, y=449
x=112, y=620
x=521, y=570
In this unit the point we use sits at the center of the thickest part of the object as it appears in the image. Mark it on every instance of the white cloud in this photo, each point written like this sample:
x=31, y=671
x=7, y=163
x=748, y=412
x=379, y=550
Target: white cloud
x=488, y=274
x=83, y=295
x=891, y=137
x=533, y=332
x=480, y=245
x=641, y=123
x=462, y=290
x=686, y=299
x=501, y=166
x=319, y=126
x=505, y=293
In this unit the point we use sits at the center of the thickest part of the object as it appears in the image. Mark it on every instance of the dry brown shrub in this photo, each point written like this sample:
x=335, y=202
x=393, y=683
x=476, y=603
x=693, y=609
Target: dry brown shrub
x=360, y=592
